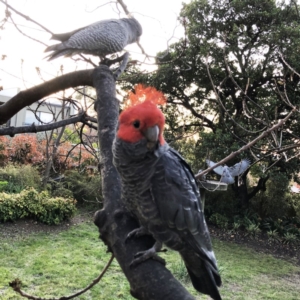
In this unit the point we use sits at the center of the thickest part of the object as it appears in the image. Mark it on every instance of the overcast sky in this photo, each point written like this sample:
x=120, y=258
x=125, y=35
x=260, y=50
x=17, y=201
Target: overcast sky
x=157, y=17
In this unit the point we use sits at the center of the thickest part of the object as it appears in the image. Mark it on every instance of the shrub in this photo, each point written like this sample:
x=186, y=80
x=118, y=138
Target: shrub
x=28, y=149
x=12, y=207
x=289, y=238
x=273, y=235
x=3, y=150
x=57, y=210
x=236, y=226
x=3, y=185
x=30, y=203
x=274, y=201
x=253, y=230
x=219, y=220
x=58, y=190
x=19, y=177
x=85, y=188
x=25, y=148
x=224, y=203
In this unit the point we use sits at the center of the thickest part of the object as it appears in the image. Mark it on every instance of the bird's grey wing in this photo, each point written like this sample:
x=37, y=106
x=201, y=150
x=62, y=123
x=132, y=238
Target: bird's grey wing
x=177, y=197
x=240, y=167
x=218, y=170
x=109, y=36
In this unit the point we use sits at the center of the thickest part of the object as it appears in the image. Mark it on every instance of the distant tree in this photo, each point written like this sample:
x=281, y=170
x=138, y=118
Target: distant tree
x=235, y=73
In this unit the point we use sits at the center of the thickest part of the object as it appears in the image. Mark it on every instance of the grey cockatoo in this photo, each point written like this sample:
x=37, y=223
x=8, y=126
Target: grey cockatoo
x=100, y=38
x=160, y=191
x=228, y=173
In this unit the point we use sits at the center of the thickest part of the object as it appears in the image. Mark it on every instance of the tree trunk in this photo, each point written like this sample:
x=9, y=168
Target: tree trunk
x=149, y=280
x=242, y=191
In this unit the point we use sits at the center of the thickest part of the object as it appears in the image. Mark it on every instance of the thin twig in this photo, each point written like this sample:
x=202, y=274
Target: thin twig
x=26, y=17
x=245, y=147
x=124, y=7
x=28, y=36
x=222, y=105
x=16, y=285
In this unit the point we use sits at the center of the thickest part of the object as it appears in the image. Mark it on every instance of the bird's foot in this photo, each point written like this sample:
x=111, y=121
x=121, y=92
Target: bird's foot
x=135, y=233
x=142, y=256
x=123, y=65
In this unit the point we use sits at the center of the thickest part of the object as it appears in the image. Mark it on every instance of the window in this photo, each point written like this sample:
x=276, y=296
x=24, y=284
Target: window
x=35, y=117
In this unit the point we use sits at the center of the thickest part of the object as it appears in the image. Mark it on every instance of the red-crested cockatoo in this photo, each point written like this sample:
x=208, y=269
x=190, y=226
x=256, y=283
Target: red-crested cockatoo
x=160, y=191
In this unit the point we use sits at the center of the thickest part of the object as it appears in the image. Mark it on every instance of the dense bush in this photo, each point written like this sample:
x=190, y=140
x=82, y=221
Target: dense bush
x=39, y=206
x=222, y=202
x=85, y=187
x=29, y=149
x=276, y=201
x=3, y=185
x=19, y=177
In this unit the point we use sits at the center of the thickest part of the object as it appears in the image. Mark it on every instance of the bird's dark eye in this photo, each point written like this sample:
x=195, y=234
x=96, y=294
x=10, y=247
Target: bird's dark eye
x=136, y=123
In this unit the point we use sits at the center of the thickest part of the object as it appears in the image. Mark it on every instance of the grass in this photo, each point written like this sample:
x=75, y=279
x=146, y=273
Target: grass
x=54, y=265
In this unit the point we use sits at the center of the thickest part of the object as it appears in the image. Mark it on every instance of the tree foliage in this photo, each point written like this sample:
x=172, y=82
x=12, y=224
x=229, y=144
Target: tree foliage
x=235, y=74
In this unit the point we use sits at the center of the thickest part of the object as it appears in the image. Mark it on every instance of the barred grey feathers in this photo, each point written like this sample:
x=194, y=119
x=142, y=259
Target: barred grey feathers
x=99, y=39
x=160, y=191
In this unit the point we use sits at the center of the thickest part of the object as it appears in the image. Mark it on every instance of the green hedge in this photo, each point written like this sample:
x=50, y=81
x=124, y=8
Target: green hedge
x=30, y=203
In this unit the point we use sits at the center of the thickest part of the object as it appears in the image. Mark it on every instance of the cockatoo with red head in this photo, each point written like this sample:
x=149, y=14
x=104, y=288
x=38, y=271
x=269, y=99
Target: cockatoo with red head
x=160, y=191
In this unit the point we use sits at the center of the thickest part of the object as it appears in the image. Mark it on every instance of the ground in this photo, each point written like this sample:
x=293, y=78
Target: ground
x=261, y=244
x=288, y=252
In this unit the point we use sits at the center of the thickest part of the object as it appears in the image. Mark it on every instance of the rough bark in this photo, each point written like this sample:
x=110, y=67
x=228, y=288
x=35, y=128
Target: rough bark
x=149, y=280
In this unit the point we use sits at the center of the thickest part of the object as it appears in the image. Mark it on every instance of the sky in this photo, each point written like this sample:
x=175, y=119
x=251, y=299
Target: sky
x=159, y=19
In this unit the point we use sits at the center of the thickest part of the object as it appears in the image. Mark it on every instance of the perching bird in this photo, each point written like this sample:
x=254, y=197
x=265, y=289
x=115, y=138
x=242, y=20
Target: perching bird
x=100, y=38
x=228, y=173
x=159, y=189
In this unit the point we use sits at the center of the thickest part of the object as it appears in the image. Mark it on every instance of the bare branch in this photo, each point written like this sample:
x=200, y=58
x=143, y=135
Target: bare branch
x=245, y=147
x=25, y=17
x=16, y=285
x=121, y=2
x=11, y=131
x=293, y=70
x=28, y=36
x=28, y=97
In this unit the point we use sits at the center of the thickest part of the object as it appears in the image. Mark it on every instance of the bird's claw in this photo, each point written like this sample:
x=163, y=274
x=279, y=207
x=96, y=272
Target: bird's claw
x=142, y=256
x=135, y=233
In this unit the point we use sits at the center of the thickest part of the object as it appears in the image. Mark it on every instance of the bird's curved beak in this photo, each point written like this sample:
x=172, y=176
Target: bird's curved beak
x=151, y=134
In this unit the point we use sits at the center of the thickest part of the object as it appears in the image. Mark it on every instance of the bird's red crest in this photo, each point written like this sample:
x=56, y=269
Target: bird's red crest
x=141, y=106
x=142, y=94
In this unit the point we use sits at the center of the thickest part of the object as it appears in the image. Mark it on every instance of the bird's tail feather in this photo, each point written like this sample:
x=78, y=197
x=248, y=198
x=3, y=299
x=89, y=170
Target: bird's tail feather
x=206, y=284
x=52, y=48
x=205, y=277
x=57, y=54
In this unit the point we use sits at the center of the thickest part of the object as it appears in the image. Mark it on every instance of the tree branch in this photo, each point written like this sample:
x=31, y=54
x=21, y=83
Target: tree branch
x=11, y=131
x=28, y=97
x=25, y=17
x=245, y=147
